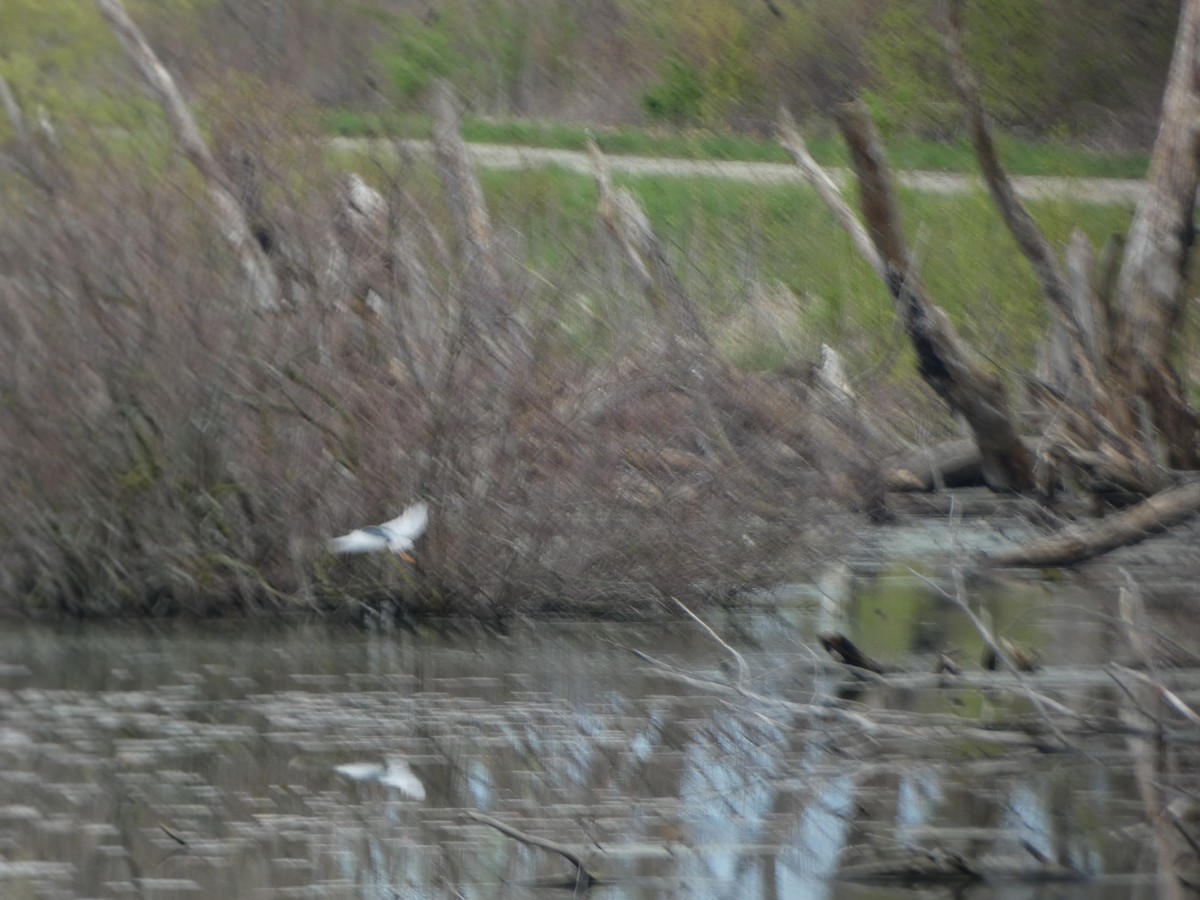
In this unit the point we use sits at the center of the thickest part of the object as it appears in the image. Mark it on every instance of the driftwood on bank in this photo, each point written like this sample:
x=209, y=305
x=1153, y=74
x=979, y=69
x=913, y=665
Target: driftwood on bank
x=937, y=866
x=842, y=649
x=230, y=217
x=948, y=465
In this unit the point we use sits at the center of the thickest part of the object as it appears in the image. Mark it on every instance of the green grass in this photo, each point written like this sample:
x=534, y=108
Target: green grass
x=1021, y=157
x=776, y=276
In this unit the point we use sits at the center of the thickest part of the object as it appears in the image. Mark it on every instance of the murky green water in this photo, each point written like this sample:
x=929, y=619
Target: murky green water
x=201, y=761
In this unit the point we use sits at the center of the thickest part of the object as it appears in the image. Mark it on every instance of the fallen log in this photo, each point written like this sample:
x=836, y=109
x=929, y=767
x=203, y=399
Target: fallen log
x=948, y=465
x=1130, y=526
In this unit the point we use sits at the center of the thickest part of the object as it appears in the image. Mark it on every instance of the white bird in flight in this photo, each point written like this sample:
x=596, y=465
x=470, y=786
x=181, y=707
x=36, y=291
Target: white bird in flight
x=397, y=535
x=394, y=774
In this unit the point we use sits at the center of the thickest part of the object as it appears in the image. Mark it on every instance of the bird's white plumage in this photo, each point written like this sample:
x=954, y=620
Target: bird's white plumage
x=394, y=774
x=396, y=535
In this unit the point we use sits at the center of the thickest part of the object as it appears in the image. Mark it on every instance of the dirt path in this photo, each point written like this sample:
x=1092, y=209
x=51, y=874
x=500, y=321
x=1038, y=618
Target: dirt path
x=500, y=156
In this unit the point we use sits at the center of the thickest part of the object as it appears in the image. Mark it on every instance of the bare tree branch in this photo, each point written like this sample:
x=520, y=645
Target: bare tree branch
x=229, y=215
x=1076, y=365
x=586, y=877
x=646, y=255
x=794, y=144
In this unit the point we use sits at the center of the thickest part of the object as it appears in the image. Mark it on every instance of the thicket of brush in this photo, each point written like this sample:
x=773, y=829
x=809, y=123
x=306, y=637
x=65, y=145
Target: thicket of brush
x=169, y=446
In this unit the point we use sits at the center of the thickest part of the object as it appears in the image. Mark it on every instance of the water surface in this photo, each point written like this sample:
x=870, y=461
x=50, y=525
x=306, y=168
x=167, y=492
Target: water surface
x=201, y=761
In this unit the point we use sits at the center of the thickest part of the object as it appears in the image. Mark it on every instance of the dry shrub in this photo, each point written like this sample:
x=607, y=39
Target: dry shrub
x=167, y=447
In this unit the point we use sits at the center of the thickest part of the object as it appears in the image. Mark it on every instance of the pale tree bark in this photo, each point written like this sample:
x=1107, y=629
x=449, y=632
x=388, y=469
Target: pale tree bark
x=230, y=216
x=829, y=193
x=472, y=223
x=1150, y=288
x=688, y=347
x=825, y=429
x=12, y=111
x=647, y=257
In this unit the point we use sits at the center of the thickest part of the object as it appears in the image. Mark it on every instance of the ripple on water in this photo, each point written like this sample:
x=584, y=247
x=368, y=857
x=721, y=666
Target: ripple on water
x=210, y=766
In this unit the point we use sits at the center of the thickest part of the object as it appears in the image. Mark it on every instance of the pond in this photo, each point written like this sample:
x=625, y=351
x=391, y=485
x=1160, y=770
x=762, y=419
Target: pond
x=201, y=761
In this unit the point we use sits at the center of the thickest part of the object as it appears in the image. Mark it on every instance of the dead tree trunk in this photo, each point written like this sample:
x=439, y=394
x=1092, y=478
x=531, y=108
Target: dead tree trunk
x=1090, y=420
x=1151, y=283
x=647, y=259
x=822, y=428
x=943, y=360
x=472, y=223
x=231, y=218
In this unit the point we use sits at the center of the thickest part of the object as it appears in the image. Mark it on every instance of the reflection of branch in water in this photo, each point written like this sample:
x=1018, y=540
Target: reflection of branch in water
x=743, y=669
x=1042, y=704
x=585, y=877
x=1155, y=779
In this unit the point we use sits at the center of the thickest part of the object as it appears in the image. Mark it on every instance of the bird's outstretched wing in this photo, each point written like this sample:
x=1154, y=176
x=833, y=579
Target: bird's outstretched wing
x=410, y=524
x=398, y=534
x=361, y=540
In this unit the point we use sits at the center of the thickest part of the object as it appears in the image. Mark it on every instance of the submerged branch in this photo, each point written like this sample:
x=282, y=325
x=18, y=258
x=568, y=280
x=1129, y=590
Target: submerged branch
x=586, y=877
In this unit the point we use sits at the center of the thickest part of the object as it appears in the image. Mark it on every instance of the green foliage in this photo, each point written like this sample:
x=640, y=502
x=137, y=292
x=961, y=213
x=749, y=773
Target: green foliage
x=419, y=53
x=707, y=49
x=60, y=57
x=1048, y=68
x=50, y=53
x=678, y=97
x=487, y=48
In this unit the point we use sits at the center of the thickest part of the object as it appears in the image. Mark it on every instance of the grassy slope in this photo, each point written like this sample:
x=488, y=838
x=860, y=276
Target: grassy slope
x=736, y=244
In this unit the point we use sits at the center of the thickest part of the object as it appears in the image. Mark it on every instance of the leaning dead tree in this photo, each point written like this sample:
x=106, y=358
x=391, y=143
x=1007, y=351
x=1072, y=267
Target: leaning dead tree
x=1119, y=422
x=227, y=211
